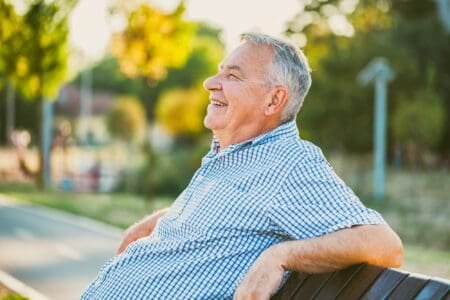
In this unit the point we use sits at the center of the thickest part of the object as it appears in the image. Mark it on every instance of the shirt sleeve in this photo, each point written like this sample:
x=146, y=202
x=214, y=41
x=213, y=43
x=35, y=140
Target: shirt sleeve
x=314, y=201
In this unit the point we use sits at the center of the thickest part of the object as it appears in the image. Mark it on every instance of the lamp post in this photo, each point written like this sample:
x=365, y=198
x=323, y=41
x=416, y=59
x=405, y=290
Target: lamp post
x=378, y=71
x=47, y=137
x=443, y=7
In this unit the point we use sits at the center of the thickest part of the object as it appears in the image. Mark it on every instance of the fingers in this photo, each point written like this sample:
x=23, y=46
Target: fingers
x=139, y=230
x=132, y=234
x=251, y=295
x=123, y=245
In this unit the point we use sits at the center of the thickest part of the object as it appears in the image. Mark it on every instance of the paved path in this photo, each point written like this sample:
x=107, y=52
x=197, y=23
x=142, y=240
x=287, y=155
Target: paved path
x=55, y=253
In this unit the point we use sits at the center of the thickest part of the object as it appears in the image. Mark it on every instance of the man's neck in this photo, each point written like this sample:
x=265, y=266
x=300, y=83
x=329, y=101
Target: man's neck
x=244, y=133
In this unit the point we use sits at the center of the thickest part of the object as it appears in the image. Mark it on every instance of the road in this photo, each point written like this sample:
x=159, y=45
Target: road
x=55, y=253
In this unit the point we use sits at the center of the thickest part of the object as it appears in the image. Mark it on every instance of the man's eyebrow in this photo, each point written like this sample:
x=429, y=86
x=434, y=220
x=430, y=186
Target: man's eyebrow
x=230, y=67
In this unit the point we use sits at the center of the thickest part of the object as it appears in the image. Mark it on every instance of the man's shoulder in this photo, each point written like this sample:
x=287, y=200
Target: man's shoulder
x=302, y=151
x=307, y=160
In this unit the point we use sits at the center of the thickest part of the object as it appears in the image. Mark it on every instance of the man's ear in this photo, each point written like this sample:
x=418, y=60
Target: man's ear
x=277, y=102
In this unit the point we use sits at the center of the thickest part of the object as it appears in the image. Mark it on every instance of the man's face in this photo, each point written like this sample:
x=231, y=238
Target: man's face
x=239, y=90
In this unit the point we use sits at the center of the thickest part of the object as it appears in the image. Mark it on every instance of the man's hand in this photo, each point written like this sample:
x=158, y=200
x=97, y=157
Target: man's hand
x=139, y=230
x=264, y=277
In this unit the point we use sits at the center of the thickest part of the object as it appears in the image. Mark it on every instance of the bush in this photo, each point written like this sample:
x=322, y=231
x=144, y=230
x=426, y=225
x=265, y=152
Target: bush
x=169, y=173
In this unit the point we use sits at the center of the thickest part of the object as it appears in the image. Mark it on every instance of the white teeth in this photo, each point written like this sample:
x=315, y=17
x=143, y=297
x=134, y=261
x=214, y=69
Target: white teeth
x=217, y=103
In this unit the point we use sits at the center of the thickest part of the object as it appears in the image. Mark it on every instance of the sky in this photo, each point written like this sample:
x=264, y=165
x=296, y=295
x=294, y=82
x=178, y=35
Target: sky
x=90, y=26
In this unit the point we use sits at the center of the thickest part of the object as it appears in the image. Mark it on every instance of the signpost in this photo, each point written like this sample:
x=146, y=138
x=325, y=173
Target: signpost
x=379, y=72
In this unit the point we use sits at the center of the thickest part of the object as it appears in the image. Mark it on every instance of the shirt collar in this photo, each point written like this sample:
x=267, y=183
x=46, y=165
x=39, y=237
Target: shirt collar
x=284, y=131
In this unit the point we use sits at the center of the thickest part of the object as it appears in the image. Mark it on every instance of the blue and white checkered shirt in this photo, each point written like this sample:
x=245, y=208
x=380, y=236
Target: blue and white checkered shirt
x=243, y=199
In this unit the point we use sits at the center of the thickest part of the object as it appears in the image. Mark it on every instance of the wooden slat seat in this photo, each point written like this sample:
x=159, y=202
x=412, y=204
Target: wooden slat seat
x=433, y=290
x=337, y=283
x=408, y=288
x=384, y=285
x=363, y=282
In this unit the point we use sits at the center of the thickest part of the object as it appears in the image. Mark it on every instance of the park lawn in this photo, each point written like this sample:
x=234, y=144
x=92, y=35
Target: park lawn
x=122, y=210
x=7, y=294
x=418, y=259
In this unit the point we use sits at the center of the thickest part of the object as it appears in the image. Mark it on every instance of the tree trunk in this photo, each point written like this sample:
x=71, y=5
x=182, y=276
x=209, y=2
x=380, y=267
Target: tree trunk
x=10, y=111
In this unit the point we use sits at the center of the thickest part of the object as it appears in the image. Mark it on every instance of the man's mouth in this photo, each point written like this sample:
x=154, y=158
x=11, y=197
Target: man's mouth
x=218, y=103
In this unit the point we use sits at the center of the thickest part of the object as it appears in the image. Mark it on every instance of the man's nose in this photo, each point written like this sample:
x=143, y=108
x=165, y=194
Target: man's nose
x=211, y=83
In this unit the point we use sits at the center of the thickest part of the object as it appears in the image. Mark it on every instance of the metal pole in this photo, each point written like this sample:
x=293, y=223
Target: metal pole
x=380, y=138
x=47, y=140
x=85, y=103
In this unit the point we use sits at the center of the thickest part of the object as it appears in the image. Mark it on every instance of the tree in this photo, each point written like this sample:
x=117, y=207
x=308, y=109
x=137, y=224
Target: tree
x=43, y=58
x=152, y=42
x=207, y=51
x=126, y=119
x=39, y=48
x=408, y=33
x=417, y=123
x=126, y=122
x=10, y=24
x=181, y=111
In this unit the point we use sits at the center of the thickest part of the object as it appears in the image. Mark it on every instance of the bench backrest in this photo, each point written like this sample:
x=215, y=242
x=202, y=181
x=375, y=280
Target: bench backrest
x=363, y=282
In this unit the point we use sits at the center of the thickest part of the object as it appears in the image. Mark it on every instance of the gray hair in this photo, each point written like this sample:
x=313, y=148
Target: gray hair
x=289, y=68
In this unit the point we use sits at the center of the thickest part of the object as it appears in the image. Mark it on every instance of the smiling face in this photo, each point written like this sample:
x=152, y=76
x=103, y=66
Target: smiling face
x=239, y=94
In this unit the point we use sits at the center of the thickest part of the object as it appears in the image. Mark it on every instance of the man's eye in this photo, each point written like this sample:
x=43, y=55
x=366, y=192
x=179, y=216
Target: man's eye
x=232, y=76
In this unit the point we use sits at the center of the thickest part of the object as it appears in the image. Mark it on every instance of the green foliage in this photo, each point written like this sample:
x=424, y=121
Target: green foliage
x=34, y=55
x=338, y=111
x=169, y=173
x=14, y=297
x=126, y=119
x=10, y=24
x=106, y=76
x=420, y=119
x=152, y=42
x=181, y=111
x=207, y=51
x=41, y=63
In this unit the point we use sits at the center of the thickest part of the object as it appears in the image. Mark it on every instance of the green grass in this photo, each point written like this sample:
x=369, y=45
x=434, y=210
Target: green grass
x=7, y=294
x=417, y=206
x=427, y=261
x=120, y=210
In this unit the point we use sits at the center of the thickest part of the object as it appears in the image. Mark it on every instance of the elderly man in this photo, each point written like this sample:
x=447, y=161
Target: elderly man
x=263, y=201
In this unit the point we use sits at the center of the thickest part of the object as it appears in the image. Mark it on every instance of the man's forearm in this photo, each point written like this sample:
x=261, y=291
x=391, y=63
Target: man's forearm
x=373, y=244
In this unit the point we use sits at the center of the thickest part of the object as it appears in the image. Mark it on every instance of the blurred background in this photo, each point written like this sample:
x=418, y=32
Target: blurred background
x=102, y=106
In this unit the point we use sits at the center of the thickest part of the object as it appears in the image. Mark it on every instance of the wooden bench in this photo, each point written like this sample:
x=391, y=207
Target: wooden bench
x=363, y=282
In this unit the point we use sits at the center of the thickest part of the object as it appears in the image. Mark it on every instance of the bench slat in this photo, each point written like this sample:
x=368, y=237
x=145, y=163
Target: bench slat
x=337, y=282
x=291, y=286
x=433, y=290
x=363, y=282
x=311, y=285
x=359, y=284
x=408, y=288
x=384, y=285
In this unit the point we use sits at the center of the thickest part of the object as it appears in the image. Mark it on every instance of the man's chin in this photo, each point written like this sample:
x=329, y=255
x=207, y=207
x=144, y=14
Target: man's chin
x=212, y=124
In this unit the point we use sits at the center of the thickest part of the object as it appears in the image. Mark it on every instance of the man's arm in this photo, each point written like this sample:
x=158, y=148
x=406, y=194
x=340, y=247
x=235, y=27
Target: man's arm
x=140, y=229
x=373, y=244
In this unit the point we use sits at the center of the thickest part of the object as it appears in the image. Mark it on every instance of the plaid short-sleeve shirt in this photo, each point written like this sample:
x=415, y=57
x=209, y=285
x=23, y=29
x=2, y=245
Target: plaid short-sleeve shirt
x=242, y=200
